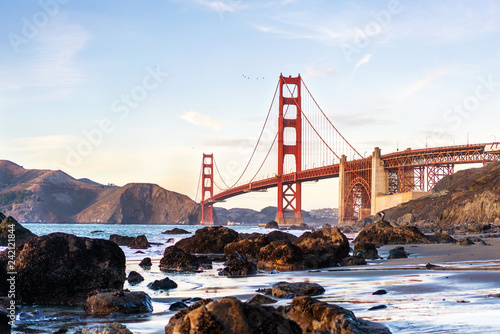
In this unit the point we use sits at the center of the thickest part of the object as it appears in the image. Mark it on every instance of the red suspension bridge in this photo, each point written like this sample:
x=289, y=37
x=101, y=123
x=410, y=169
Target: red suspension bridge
x=302, y=145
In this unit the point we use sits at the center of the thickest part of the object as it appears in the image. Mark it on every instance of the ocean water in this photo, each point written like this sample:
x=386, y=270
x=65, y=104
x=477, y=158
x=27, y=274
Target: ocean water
x=418, y=300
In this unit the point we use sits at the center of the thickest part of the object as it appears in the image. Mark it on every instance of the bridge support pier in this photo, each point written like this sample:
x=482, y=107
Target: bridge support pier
x=380, y=179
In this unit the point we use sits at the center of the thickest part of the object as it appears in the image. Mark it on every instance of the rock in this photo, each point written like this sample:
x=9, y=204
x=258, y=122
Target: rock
x=330, y=246
x=325, y=226
x=134, y=278
x=62, y=269
x=280, y=236
x=353, y=261
x=441, y=238
x=97, y=231
x=114, y=328
x=21, y=233
x=126, y=302
x=261, y=299
x=383, y=233
x=238, y=265
x=465, y=242
x=208, y=240
x=170, y=240
x=177, y=306
x=281, y=255
x=121, y=240
x=164, y=284
x=314, y=316
x=249, y=247
x=379, y=292
x=229, y=315
x=176, y=230
x=140, y=242
x=406, y=219
x=4, y=320
x=290, y=290
x=146, y=263
x=175, y=259
x=272, y=224
x=398, y=253
x=366, y=250
x=300, y=227
x=378, y=307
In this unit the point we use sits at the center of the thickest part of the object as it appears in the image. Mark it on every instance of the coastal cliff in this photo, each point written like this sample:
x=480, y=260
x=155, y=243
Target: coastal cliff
x=49, y=196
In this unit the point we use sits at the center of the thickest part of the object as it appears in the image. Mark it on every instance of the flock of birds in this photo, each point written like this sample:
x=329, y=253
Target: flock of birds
x=244, y=76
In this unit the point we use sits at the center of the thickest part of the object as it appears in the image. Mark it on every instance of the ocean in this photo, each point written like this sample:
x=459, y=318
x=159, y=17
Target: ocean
x=418, y=300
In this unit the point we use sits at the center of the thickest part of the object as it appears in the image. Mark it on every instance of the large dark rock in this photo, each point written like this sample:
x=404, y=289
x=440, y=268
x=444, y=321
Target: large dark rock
x=366, y=250
x=282, y=256
x=314, y=316
x=290, y=290
x=126, y=302
x=383, y=233
x=176, y=230
x=164, y=284
x=442, y=238
x=114, y=328
x=329, y=245
x=121, y=240
x=280, y=235
x=353, y=261
x=238, y=265
x=61, y=268
x=398, y=253
x=134, y=278
x=146, y=263
x=140, y=242
x=249, y=247
x=229, y=315
x=261, y=299
x=272, y=224
x=208, y=240
x=21, y=233
x=175, y=259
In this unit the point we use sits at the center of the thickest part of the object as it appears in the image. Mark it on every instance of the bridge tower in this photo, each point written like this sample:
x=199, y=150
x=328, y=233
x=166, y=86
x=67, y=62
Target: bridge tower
x=207, y=190
x=290, y=193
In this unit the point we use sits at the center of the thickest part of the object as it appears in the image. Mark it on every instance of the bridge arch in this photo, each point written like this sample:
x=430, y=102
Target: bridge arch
x=357, y=203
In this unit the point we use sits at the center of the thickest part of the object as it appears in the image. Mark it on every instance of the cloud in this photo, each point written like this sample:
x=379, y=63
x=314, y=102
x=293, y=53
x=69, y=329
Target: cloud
x=203, y=121
x=420, y=84
x=363, y=61
x=224, y=6
x=314, y=72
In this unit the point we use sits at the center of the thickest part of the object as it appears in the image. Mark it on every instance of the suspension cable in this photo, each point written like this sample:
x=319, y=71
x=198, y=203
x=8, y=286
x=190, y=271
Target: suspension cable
x=220, y=175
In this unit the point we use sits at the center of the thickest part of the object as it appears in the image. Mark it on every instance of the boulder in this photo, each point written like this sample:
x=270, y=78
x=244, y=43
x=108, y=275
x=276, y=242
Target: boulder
x=140, y=242
x=126, y=302
x=366, y=250
x=261, y=300
x=398, y=253
x=121, y=240
x=146, y=263
x=441, y=238
x=230, y=315
x=175, y=259
x=280, y=235
x=300, y=227
x=383, y=233
x=61, y=268
x=353, y=261
x=330, y=246
x=114, y=328
x=164, y=284
x=134, y=278
x=249, y=247
x=281, y=255
x=176, y=230
x=465, y=242
x=314, y=316
x=326, y=225
x=272, y=224
x=208, y=240
x=238, y=265
x=290, y=290
x=177, y=306
x=4, y=320
x=21, y=233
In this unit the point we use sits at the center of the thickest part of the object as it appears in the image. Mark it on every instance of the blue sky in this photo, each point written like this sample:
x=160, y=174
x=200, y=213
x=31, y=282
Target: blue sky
x=128, y=91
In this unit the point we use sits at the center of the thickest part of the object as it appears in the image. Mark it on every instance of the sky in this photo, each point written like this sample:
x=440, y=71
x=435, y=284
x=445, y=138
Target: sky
x=128, y=91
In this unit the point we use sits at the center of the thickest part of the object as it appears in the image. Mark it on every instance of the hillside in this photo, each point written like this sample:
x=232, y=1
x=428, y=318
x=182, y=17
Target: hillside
x=469, y=197
x=33, y=195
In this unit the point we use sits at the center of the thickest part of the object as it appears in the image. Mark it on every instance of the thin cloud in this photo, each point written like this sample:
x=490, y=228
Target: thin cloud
x=420, y=84
x=363, y=61
x=314, y=72
x=201, y=120
x=221, y=6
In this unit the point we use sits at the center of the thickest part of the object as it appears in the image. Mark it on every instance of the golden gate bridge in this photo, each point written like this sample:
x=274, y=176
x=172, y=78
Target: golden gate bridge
x=304, y=145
